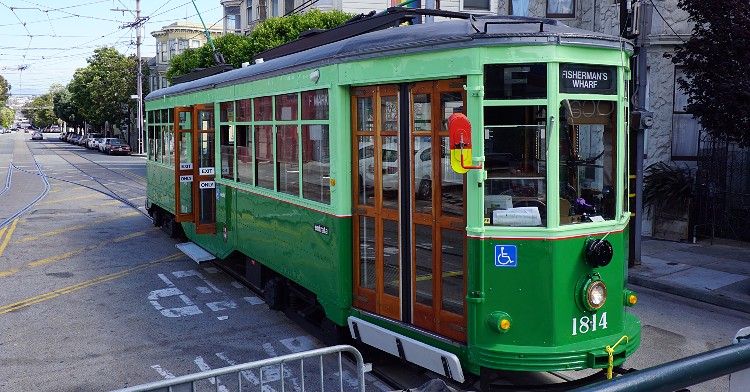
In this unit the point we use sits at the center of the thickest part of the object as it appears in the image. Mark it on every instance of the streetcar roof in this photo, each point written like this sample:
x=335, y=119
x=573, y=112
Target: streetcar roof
x=427, y=37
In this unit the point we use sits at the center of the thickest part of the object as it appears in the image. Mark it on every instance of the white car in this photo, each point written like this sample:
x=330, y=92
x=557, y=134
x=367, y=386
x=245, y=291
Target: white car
x=92, y=143
x=389, y=163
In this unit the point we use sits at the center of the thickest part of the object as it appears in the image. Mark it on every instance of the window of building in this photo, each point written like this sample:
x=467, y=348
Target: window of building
x=164, y=52
x=685, y=128
x=518, y=7
x=561, y=8
x=194, y=43
x=249, y=11
x=476, y=5
x=233, y=18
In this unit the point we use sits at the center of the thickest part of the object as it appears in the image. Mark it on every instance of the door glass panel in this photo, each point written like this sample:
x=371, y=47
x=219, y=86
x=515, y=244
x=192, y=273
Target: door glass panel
x=186, y=197
x=423, y=174
x=185, y=121
x=186, y=147
x=450, y=103
x=207, y=212
x=390, y=258
x=264, y=156
x=367, y=252
x=424, y=273
x=366, y=167
x=389, y=113
x=206, y=150
x=364, y=114
x=205, y=120
x=452, y=271
x=452, y=191
x=389, y=172
x=422, y=112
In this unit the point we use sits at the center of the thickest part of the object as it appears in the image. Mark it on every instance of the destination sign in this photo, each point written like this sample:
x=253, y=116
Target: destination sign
x=587, y=79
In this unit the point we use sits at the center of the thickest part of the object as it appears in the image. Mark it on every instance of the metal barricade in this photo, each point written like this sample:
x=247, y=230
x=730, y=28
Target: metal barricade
x=247, y=380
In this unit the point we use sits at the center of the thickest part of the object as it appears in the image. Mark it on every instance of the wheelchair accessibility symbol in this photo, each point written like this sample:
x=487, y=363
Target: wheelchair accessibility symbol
x=506, y=256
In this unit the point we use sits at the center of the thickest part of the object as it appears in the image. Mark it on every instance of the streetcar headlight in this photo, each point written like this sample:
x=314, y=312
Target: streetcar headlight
x=596, y=294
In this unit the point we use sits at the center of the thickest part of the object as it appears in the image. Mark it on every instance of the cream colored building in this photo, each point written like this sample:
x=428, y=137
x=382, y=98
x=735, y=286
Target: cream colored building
x=172, y=40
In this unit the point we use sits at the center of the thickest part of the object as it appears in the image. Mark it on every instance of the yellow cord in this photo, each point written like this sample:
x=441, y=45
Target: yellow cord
x=610, y=351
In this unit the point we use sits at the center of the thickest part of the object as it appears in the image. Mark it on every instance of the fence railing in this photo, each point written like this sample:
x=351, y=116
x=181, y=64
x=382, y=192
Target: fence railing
x=324, y=372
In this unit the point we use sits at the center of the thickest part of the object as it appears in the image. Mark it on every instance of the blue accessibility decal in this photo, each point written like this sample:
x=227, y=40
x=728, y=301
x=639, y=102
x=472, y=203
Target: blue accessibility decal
x=506, y=256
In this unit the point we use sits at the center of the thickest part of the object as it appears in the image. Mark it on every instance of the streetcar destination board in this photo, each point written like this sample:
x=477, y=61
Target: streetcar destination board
x=587, y=79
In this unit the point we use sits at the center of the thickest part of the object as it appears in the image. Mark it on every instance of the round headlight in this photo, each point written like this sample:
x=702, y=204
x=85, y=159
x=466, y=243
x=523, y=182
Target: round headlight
x=596, y=294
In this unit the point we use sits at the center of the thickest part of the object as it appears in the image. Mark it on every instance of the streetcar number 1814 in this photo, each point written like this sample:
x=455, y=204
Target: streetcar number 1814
x=589, y=323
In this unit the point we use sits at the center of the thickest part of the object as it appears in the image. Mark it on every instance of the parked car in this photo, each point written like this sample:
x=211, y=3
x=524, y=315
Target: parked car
x=103, y=143
x=37, y=135
x=116, y=146
x=93, y=143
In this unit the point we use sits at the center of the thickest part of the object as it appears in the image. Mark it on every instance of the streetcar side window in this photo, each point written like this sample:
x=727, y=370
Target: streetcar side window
x=316, y=165
x=588, y=182
x=160, y=136
x=227, y=138
x=515, y=151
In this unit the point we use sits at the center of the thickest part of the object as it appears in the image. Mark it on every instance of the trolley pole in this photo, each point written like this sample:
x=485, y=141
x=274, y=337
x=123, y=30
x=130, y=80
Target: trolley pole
x=140, y=74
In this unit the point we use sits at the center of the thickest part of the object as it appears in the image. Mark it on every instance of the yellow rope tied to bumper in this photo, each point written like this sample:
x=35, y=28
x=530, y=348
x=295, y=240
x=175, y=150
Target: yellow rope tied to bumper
x=610, y=351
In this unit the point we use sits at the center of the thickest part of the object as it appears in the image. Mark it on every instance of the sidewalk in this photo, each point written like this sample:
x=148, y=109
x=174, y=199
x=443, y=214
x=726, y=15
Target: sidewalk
x=717, y=273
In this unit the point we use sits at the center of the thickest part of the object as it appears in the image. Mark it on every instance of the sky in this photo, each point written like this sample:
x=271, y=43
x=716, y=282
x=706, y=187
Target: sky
x=43, y=42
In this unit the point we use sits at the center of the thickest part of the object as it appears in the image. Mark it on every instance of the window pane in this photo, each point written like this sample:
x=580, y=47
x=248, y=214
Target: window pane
x=227, y=151
x=391, y=276
x=244, y=154
x=452, y=189
x=389, y=113
x=263, y=109
x=453, y=271
x=288, y=159
x=588, y=182
x=206, y=150
x=515, y=81
x=367, y=267
x=315, y=105
x=519, y=7
x=422, y=112
x=316, y=166
x=565, y=8
x=264, y=156
x=424, y=272
x=366, y=170
x=206, y=119
x=226, y=111
x=364, y=114
x=243, y=110
x=286, y=107
x=516, y=162
x=482, y=5
x=389, y=172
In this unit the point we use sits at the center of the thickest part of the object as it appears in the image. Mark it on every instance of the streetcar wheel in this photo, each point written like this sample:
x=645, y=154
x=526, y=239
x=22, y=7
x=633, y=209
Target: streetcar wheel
x=273, y=291
x=157, y=218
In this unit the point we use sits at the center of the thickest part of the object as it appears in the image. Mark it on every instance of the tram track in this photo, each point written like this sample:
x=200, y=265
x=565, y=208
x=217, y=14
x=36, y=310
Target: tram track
x=39, y=171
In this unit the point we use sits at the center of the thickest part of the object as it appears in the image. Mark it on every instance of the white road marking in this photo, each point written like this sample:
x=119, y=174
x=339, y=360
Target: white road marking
x=221, y=305
x=237, y=285
x=299, y=344
x=211, y=270
x=203, y=366
x=223, y=317
x=254, y=300
x=189, y=310
x=246, y=374
x=162, y=372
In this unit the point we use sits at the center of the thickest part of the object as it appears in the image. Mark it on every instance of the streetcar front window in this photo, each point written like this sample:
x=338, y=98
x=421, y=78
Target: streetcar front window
x=515, y=151
x=588, y=139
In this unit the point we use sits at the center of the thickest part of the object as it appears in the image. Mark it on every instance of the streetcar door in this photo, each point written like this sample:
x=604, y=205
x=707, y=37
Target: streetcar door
x=377, y=271
x=183, y=165
x=204, y=172
x=195, y=196
x=437, y=211
x=409, y=228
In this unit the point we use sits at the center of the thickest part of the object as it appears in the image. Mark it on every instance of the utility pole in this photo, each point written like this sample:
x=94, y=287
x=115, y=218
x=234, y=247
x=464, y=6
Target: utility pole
x=137, y=25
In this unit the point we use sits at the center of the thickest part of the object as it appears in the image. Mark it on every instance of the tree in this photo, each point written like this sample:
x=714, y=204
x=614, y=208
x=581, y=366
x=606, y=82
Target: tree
x=40, y=112
x=65, y=109
x=237, y=49
x=716, y=63
x=101, y=91
x=4, y=91
x=7, y=116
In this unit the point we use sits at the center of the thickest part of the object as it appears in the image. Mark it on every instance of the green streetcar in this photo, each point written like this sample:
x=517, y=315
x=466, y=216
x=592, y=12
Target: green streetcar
x=311, y=174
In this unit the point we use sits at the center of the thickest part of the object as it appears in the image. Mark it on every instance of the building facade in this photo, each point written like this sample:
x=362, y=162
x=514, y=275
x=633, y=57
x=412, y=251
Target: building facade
x=172, y=40
x=659, y=26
